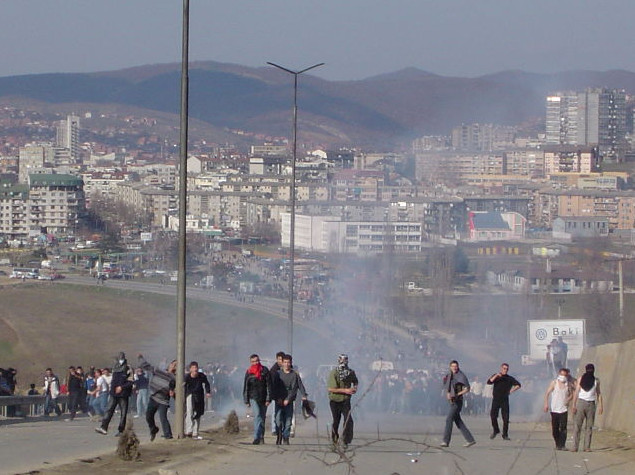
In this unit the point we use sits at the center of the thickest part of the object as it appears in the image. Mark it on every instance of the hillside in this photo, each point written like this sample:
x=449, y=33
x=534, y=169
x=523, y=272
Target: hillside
x=62, y=324
x=380, y=111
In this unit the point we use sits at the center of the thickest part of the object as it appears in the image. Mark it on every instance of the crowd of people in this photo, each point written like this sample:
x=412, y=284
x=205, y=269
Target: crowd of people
x=149, y=389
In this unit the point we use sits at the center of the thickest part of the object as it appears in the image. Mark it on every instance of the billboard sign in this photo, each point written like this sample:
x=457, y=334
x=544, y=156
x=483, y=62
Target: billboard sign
x=541, y=333
x=146, y=237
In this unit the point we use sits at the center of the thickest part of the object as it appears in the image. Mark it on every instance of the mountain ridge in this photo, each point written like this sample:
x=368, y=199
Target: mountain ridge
x=382, y=111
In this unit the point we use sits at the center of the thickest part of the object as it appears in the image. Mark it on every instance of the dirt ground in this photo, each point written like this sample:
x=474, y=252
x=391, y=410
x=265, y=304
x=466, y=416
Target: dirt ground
x=157, y=455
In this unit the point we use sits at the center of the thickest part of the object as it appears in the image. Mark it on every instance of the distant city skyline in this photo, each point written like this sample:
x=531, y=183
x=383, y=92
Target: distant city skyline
x=356, y=39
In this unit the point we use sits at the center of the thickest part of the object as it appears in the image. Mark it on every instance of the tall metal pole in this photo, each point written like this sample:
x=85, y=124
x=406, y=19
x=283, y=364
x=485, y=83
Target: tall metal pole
x=180, y=299
x=292, y=192
x=621, y=282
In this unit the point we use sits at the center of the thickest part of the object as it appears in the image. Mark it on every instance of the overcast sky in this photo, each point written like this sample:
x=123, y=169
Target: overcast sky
x=355, y=38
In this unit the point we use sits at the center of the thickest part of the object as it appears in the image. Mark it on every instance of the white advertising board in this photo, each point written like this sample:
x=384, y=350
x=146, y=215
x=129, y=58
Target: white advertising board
x=540, y=333
x=145, y=237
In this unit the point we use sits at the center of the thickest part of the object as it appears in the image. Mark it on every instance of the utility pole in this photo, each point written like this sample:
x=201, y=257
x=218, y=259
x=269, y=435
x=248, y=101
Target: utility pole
x=621, y=281
x=181, y=287
x=292, y=192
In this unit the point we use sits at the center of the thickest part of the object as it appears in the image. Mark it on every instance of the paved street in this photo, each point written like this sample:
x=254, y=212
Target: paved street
x=410, y=445
x=397, y=445
x=45, y=442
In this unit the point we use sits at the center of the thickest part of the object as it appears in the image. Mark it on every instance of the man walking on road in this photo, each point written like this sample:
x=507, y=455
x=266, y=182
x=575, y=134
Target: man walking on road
x=561, y=394
x=52, y=392
x=197, y=388
x=162, y=384
x=120, y=390
x=504, y=385
x=342, y=384
x=285, y=385
x=455, y=386
x=257, y=395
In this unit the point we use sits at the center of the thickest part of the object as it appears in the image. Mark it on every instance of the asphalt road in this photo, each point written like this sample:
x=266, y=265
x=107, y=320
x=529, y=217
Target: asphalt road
x=44, y=442
x=395, y=445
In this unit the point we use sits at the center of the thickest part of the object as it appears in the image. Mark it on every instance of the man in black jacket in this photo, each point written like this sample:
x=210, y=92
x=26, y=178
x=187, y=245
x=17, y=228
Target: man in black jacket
x=504, y=385
x=197, y=388
x=285, y=385
x=257, y=395
x=75, y=386
x=120, y=390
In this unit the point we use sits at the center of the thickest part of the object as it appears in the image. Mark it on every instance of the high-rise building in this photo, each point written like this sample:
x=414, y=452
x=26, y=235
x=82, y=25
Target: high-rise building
x=602, y=121
x=562, y=119
x=595, y=118
x=68, y=136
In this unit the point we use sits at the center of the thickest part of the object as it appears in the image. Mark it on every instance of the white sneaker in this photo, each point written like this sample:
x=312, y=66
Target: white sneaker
x=100, y=430
x=197, y=437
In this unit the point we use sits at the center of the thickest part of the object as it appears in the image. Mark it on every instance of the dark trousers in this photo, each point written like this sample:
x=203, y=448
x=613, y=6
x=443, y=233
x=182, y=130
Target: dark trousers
x=162, y=409
x=342, y=411
x=122, y=402
x=559, y=428
x=502, y=405
x=454, y=416
x=73, y=403
x=50, y=404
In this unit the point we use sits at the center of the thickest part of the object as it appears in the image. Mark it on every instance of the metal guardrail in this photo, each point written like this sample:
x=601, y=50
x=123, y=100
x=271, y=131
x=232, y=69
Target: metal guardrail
x=27, y=405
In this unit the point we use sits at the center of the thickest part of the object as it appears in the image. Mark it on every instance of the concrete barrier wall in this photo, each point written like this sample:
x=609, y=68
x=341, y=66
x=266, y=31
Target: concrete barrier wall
x=615, y=367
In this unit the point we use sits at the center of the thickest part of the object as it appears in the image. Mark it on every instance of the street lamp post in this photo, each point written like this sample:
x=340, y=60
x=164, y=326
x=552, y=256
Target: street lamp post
x=292, y=192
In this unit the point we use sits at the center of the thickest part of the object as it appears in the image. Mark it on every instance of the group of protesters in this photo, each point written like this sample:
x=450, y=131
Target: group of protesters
x=100, y=392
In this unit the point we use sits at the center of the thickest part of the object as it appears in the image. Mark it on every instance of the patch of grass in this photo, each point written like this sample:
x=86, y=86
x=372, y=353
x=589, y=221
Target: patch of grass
x=6, y=350
x=65, y=324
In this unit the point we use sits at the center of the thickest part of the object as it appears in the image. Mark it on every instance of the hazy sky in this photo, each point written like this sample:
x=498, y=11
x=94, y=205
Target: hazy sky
x=356, y=38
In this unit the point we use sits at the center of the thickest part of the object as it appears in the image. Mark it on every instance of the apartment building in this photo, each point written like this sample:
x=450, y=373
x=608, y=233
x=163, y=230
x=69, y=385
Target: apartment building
x=570, y=159
x=357, y=185
x=327, y=234
x=618, y=208
x=51, y=203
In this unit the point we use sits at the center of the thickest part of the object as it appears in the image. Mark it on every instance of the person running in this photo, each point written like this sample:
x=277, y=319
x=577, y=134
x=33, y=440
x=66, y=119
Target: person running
x=197, y=388
x=341, y=385
x=257, y=395
x=285, y=390
x=162, y=384
x=120, y=390
x=586, y=400
x=455, y=386
x=51, y=392
x=561, y=394
x=504, y=385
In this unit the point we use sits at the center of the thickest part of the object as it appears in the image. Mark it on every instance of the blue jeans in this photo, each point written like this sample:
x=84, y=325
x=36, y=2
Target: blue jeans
x=284, y=415
x=142, y=401
x=260, y=414
x=454, y=416
x=99, y=404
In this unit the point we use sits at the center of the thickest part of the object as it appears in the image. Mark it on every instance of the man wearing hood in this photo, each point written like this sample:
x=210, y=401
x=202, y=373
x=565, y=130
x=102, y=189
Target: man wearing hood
x=120, y=390
x=586, y=400
x=342, y=384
